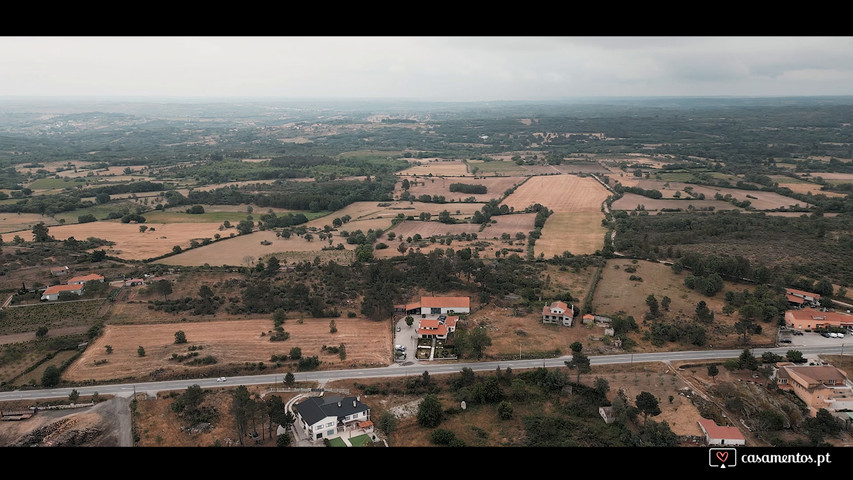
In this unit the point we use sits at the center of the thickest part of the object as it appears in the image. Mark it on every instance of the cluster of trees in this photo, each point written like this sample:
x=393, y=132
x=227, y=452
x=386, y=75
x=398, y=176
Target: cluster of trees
x=468, y=188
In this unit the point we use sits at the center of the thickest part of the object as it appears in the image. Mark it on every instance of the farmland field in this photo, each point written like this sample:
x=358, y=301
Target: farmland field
x=575, y=225
x=234, y=341
x=436, y=167
x=130, y=243
x=15, y=222
x=630, y=201
x=496, y=186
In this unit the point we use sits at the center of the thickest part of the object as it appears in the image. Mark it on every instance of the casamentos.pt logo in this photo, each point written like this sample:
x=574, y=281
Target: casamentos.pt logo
x=722, y=457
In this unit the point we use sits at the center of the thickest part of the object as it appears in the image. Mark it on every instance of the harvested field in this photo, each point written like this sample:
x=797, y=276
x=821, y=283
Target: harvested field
x=436, y=167
x=495, y=187
x=763, y=200
x=244, y=250
x=367, y=343
x=130, y=243
x=631, y=201
x=13, y=223
x=575, y=225
x=511, y=224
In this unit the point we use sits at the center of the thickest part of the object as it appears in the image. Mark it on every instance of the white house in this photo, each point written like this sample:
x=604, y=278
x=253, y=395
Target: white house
x=559, y=313
x=717, y=435
x=329, y=417
x=52, y=293
x=436, y=306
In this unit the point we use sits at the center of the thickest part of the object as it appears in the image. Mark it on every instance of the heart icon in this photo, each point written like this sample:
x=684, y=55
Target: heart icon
x=723, y=456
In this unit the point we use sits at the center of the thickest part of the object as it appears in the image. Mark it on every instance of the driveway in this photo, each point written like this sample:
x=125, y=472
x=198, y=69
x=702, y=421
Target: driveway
x=407, y=337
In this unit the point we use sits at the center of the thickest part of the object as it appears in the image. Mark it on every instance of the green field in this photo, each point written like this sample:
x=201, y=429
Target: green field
x=99, y=211
x=53, y=183
x=500, y=167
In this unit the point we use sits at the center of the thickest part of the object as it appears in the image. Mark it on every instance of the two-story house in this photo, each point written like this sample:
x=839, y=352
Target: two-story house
x=559, y=313
x=437, y=328
x=330, y=416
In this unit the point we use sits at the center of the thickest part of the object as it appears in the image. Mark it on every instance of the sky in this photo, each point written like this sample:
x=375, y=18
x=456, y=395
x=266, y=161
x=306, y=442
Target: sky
x=425, y=68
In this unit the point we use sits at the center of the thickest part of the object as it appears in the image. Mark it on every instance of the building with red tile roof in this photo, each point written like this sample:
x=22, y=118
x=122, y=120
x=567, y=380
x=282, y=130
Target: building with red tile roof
x=436, y=306
x=52, y=293
x=558, y=313
x=801, y=297
x=718, y=435
x=810, y=318
x=819, y=386
x=437, y=327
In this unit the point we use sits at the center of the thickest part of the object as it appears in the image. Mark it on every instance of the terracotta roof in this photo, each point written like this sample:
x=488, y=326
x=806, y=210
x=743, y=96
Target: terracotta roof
x=446, y=302
x=86, y=278
x=795, y=299
x=809, y=314
x=429, y=323
x=715, y=431
x=811, y=375
x=589, y=316
x=441, y=330
x=559, y=304
x=794, y=291
x=61, y=288
x=451, y=321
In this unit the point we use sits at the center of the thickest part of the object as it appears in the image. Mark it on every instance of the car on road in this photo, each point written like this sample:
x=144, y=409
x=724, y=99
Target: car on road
x=400, y=348
x=221, y=379
x=785, y=340
x=399, y=328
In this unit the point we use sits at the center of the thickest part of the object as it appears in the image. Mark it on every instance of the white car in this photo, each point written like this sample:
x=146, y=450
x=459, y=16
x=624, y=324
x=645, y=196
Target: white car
x=833, y=335
x=221, y=379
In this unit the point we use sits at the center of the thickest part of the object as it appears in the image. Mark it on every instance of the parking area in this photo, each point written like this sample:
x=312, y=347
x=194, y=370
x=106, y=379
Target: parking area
x=808, y=339
x=406, y=337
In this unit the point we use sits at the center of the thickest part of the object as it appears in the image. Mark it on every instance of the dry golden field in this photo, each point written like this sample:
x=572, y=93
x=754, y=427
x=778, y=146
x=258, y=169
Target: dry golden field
x=575, y=225
x=368, y=343
x=495, y=187
x=130, y=243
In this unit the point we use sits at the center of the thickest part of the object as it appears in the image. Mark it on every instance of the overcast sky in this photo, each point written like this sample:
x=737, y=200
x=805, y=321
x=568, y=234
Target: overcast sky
x=425, y=68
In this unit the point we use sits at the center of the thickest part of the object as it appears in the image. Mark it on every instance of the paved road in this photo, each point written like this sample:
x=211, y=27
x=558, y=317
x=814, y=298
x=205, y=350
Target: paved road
x=400, y=370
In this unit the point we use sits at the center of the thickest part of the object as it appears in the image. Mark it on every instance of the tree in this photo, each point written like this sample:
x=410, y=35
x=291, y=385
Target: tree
x=102, y=198
x=41, y=332
x=295, y=353
x=273, y=265
x=664, y=303
x=472, y=343
x=74, y=396
x=50, y=377
x=387, y=422
x=289, y=379
x=795, y=356
x=652, y=302
x=703, y=313
x=109, y=348
x=579, y=361
x=332, y=327
x=505, y=410
x=163, y=287
x=602, y=386
x=140, y=351
x=180, y=337
x=648, y=405
x=40, y=233
x=747, y=360
x=713, y=371
x=143, y=228
x=283, y=440
x=409, y=320
x=429, y=411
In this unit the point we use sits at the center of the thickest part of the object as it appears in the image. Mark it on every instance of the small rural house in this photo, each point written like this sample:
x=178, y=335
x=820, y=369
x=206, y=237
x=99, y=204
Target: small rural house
x=800, y=298
x=558, y=313
x=59, y=271
x=329, y=417
x=437, y=328
x=810, y=318
x=717, y=435
x=80, y=280
x=52, y=293
x=588, y=319
x=134, y=282
x=819, y=386
x=436, y=306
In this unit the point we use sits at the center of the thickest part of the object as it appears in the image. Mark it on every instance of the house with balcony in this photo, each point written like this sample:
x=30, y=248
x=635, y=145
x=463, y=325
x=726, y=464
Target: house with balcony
x=332, y=416
x=819, y=386
x=558, y=313
x=438, y=328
